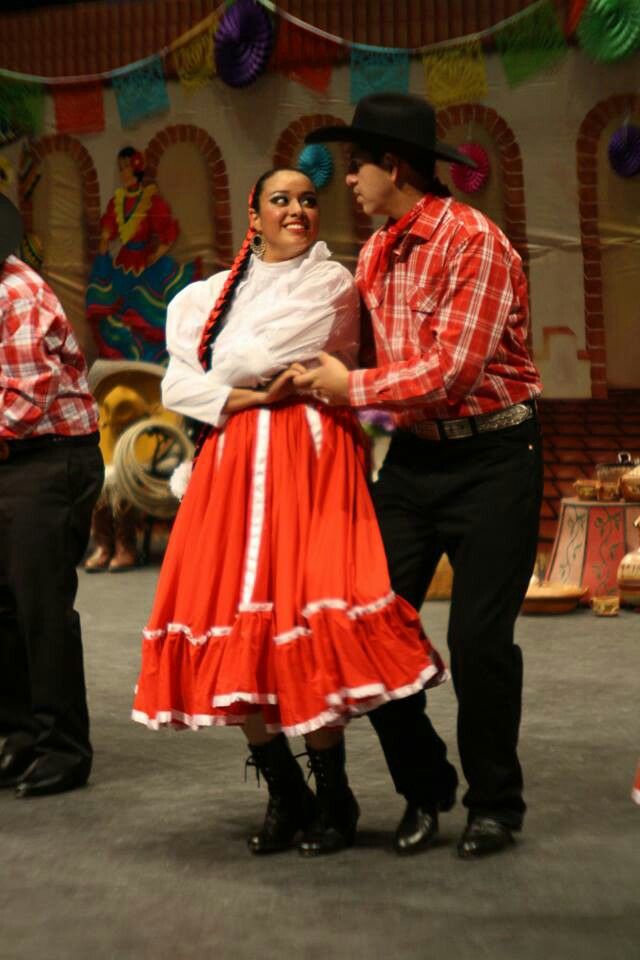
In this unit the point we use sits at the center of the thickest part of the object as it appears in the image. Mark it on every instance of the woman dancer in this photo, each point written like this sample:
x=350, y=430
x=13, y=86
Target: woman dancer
x=274, y=609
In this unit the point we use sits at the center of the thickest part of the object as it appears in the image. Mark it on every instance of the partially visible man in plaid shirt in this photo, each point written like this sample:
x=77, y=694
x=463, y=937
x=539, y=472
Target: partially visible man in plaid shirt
x=446, y=296
x=51, y=474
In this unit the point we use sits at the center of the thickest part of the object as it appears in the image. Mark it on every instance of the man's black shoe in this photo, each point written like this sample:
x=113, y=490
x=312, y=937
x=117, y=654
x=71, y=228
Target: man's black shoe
x=14, y=761
x=482, y=836
x=417, y=830
x=45, y=776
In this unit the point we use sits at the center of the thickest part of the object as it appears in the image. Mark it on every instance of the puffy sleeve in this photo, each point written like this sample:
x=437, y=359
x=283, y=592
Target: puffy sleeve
x=319, y=312
x=186, y=386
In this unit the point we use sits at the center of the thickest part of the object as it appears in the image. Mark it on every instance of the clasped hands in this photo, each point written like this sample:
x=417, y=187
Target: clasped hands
x=329, y=382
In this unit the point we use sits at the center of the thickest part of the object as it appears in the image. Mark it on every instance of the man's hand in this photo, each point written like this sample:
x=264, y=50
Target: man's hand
x=328, y=382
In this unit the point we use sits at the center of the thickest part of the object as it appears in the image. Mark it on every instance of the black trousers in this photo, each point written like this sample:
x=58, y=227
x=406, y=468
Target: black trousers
x=46, y=500
x=477, y=500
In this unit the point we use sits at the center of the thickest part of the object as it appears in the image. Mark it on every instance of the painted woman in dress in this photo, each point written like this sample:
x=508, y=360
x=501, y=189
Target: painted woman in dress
x=274, y=609
x=128, y=295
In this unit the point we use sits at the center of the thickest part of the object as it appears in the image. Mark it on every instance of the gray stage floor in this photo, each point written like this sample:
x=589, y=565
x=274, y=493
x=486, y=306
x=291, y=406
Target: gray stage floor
x=149, y=861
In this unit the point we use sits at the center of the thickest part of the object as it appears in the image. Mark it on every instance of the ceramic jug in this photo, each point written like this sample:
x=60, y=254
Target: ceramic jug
x=629, y=574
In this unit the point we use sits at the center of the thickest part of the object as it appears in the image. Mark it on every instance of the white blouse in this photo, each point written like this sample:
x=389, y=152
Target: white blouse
x=280, y=313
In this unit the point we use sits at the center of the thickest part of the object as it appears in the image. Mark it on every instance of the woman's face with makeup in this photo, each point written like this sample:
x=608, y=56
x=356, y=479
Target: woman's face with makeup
x=288, y=216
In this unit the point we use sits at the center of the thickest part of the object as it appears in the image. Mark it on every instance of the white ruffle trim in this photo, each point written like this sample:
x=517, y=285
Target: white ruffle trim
x=335, y=603
x=179, y=479
x=635, y=795
x=183, y=628
x=376, y=694
x=329, y=603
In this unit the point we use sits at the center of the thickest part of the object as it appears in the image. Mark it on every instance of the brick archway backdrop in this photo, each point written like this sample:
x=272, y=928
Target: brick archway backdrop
x=62, y=142
x=511, y=169
x=587, y=144
x=72, y=233
x=217, y=176
x=291, y=140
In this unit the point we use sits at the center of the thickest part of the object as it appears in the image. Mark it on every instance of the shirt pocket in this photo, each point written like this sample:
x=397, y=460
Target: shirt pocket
x=424, y=298
x=422, y=304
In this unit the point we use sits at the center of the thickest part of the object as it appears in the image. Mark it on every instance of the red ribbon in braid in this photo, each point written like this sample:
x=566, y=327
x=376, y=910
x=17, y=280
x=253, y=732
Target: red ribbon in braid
x=212, y=326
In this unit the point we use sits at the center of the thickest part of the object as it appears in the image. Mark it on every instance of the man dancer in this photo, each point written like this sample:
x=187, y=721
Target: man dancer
x=51, y=473
x=447, y=298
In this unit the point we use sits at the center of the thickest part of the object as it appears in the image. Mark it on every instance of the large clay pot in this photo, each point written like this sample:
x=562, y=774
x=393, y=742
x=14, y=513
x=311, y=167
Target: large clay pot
x=629, y=574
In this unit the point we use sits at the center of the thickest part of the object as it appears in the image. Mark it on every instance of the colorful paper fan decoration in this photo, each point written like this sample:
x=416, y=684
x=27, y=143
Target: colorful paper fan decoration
x=316, y=161
x=610, y=29
x=243, y=43
x=624, y=151
x=465, y=178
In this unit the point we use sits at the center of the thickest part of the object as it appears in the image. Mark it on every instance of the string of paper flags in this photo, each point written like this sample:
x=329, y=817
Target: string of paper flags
x=240, y=41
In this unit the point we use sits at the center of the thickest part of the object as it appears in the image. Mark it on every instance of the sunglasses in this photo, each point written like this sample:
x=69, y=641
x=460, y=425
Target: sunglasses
x=356, y=162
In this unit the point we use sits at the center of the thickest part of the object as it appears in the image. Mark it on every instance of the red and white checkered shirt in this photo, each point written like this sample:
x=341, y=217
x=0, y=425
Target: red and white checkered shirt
x=449, y=319
x=43, y=374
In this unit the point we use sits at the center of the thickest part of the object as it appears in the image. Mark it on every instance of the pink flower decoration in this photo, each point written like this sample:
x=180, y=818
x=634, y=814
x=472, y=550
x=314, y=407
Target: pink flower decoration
x=465, y=178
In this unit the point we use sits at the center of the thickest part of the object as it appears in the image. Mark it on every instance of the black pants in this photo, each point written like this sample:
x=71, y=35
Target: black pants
x=46, y=500
x=477, y=500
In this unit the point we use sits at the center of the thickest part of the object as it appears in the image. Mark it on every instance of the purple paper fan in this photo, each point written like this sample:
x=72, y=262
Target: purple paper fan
x=243, y=43
x=624, y=151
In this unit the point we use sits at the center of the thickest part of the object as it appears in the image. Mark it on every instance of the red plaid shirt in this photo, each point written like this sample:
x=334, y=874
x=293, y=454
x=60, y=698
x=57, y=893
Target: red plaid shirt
x=43, y=375
x=449, y=319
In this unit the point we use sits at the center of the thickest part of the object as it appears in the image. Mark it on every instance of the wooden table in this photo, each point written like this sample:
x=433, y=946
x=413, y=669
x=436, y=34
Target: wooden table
x=591, y=540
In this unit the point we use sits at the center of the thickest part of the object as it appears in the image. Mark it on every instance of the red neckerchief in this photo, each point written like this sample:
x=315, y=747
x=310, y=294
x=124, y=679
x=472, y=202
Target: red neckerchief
x=393, y=231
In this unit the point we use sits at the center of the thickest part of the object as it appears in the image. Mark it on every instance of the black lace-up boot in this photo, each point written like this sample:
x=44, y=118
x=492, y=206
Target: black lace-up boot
x=337, y=809
x=291, y=805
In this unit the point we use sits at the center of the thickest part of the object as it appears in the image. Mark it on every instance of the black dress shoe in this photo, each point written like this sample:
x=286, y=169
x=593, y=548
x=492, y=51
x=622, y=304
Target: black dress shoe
x=417, y=830
x=482, y=836
x=45, y=776
x=14, y=761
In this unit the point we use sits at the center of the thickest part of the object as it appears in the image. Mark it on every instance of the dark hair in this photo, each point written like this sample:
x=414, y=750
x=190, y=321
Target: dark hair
x=213, y=325
x=126, y=154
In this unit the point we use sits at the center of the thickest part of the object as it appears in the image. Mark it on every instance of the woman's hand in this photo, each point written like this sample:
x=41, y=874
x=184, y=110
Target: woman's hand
x=281, y=386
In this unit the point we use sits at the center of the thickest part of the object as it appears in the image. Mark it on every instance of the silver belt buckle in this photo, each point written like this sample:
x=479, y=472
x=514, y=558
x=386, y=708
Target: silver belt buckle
x=457, y=429
x=510, y=417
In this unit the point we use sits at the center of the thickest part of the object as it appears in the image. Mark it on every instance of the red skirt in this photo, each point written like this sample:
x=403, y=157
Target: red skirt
x=274, y=592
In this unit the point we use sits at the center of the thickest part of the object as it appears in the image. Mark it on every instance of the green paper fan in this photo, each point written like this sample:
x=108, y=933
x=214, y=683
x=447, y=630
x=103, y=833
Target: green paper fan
x=610, y=29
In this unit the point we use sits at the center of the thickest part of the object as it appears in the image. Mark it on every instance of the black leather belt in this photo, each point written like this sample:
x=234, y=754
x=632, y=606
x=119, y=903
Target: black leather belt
x=471, y=426
x=15, y=448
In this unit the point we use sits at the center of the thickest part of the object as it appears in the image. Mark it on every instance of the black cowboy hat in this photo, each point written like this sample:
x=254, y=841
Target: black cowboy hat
x=10, y=227
x=386, y=119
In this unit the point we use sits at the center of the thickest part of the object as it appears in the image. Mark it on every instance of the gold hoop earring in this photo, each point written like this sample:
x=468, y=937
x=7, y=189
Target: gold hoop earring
x=258, y=245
